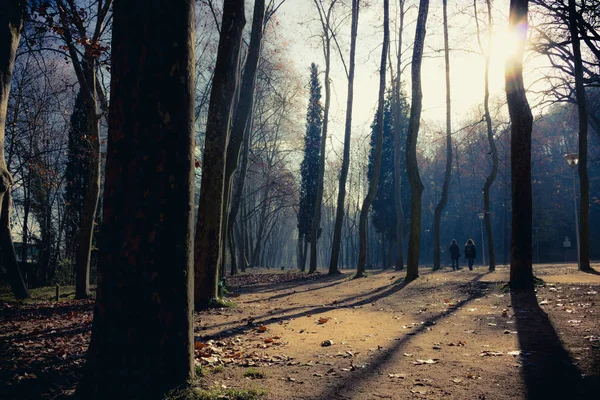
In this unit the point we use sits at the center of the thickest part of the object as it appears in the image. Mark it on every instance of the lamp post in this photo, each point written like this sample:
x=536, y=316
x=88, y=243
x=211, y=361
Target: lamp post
x=481, y=215
x=572, y=160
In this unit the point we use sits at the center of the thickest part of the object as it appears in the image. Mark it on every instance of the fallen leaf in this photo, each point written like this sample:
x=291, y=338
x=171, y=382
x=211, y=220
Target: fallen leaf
x=261, y=328
x=429, y=361
x=401, y=376
x=323, y=320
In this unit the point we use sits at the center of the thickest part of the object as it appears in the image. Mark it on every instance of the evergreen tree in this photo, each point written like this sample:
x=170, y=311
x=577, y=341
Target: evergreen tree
x=383, y=211
x=310, y=165
x=77, y=172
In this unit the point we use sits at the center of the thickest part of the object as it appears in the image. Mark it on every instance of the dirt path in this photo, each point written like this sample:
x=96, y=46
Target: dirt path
x=448, y=335
x=451, y=335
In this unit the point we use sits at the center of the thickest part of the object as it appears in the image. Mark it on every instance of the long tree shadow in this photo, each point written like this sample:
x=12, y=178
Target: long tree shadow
x=293, y=282
x=352, y=382
x=548, y=371
x=284, y=314
x=290, y=293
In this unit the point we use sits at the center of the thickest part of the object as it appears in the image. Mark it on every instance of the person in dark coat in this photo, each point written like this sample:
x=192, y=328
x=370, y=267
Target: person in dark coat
x=470, y=252
x=454, y=254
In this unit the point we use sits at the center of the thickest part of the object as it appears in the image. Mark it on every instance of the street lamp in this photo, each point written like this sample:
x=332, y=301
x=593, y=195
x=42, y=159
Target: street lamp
x=481, y=215
x=572, y=160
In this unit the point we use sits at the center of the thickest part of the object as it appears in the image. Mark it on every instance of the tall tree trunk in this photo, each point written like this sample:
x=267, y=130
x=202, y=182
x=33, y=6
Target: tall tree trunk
x=207, y=244
x=374, y=181
x=11, y=25
x=316, y=222
x=241, y=125
x=412, y=167
x=339, y=216
x=437, y=214
x=584, y=181
x=490, y=135
x=521, y=271
x=398, y=127
x=142, y=334
x=86, y=231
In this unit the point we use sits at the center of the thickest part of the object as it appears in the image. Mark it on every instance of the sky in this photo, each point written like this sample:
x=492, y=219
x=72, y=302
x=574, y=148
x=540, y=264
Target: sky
x=466, y=63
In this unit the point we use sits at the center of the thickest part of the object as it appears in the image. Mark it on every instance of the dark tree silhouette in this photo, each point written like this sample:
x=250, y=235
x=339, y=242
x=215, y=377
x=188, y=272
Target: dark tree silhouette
x=76, y=172
x=142, y=338
x=521, y=271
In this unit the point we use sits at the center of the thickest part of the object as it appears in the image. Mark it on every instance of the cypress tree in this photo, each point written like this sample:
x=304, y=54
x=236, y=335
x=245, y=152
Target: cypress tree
x=310, y=165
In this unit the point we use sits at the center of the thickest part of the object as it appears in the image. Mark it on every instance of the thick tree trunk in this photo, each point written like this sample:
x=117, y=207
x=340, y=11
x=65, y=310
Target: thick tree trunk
x=412, y=167
x=207, y=244
x=437, y=214
x=11, y=25
x=339, y=216
x=584, y=181
x=490, y=135
x=142, y=336
x=374, y=181
x=521, y=271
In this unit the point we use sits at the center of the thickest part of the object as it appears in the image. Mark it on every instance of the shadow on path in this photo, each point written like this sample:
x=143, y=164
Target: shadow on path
x=548, y=371
x=352, y=383
x=283, y=314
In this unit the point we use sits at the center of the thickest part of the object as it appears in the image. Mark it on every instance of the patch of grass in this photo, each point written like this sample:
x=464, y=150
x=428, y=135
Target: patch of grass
x=215, y=393
x=218, y=369
x=221, y=303
x=46, y=293
x=200, y=371
x=254, y=373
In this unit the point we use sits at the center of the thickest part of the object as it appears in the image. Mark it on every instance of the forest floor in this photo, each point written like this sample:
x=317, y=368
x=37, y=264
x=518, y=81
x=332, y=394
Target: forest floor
x=447, y=335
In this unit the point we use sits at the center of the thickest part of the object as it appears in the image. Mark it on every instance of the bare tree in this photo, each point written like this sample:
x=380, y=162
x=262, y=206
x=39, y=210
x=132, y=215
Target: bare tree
x=207, y=244
x=414, y=178
x=11, y=25
x=444, y=197
x=584, y=181
x=325, y=17
x=489, y=180
x=339, y=217
x=374, y=181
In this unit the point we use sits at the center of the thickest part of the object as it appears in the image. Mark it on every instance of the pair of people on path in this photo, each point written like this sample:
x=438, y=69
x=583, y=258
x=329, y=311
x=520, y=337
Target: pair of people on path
x=470, y=253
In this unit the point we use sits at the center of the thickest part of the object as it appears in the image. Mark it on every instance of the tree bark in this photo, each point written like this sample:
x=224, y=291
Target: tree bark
x=339, y=216
x=584, y=181
x=142, y=336
x=374, y=181
x=207, y=244
x=412, y=167
x=437, y=214
x=521, y=271
x=11, y=26
x=316, y=222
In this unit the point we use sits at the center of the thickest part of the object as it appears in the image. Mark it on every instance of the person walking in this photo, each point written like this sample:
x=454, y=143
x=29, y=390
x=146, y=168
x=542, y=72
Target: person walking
x=454, y=255
x=470, y=252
